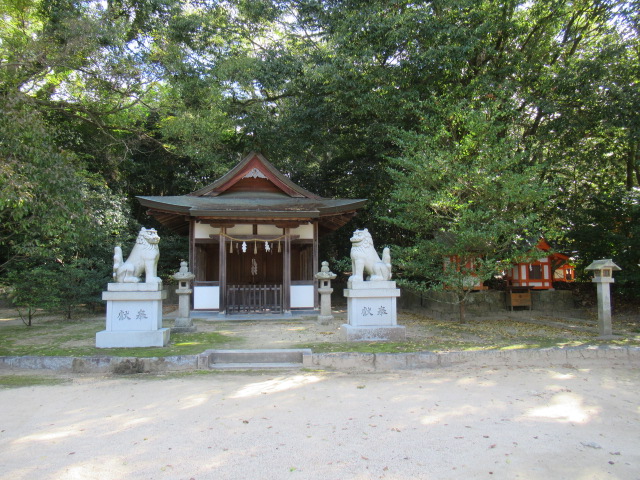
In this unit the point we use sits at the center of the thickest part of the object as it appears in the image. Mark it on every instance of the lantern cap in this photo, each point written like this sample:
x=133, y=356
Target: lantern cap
x=602, y=264
x=325, y=273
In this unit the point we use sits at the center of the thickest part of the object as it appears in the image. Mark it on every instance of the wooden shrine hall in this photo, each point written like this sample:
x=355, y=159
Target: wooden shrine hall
x=253, y=238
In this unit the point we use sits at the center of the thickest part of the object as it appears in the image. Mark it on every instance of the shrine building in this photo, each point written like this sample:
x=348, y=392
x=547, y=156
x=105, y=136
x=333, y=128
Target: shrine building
x=541, y=273
x=253, y=238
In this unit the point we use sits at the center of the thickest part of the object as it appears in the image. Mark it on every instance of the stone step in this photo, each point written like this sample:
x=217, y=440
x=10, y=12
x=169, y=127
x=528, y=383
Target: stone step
x=254, y=366
x=267, y=358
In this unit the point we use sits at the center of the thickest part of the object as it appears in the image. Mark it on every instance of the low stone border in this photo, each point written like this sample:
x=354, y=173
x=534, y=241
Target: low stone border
x=371, y=362
x=347, y=362
x=102, y=364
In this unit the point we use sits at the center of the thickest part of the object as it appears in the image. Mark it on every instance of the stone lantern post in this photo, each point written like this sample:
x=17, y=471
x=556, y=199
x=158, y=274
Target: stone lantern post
x=603, y=277
x=325, y=291
x=183, y=321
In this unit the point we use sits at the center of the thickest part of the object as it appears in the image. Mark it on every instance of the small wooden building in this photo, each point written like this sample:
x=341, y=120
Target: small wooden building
x=471, y=280
x=541, y=273
x=253, y=238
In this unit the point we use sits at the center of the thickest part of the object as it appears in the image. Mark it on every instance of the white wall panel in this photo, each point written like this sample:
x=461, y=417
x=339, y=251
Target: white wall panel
x=206, y=298
x=301, y=296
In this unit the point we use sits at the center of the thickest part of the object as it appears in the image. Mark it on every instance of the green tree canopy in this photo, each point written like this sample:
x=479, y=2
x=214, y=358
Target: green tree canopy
x=486, y=121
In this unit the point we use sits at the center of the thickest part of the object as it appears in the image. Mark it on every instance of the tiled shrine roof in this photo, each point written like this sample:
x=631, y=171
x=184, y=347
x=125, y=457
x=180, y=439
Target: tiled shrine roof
x=253, y=191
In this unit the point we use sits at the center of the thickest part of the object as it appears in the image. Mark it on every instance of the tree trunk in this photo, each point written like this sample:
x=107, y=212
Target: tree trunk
x=29, y=318
x=461, y=312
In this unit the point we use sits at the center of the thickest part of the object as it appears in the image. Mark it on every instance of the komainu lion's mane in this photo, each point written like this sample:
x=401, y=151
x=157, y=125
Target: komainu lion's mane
x=142, y=259
x=365, y=259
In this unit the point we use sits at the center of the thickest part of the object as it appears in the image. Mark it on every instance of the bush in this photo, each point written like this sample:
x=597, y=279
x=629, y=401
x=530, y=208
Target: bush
x=57, y=286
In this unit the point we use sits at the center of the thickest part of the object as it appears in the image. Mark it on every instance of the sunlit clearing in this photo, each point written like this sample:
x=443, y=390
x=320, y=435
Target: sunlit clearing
x=82, y=471
x=448, y=414
x=476, y=381
x=565, y=408
x=193, y=401
x=48, y=436
x=562, y=376
x=137, y=421
x=276, y=385
x=431, y=420
x=467, y=381
x=439, y=381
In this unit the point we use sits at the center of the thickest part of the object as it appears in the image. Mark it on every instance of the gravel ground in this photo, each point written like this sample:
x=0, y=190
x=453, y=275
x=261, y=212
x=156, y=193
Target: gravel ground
x=502, y=329
x=451, y=423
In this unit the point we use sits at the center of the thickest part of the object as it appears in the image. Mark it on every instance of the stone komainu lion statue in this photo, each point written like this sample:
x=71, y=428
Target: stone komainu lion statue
x=364, y=258
x=143, y=259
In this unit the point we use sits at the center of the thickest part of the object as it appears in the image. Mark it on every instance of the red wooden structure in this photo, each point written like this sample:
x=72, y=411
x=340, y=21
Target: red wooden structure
x=541, y=273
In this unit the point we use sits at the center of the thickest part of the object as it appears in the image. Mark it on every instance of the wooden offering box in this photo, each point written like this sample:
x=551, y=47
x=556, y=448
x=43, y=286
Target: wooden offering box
x=518, y=297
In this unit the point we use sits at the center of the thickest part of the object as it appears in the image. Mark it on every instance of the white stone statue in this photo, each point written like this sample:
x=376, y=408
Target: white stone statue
x=364, y=258
x=143, y=259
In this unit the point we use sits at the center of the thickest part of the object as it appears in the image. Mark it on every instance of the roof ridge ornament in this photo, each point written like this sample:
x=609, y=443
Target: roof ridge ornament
x=255, y=173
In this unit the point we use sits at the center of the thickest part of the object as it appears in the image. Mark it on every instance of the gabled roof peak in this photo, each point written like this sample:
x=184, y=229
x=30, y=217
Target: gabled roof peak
x=254, y=171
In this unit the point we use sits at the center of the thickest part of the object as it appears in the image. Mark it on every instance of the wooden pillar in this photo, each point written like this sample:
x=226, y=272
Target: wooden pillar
x=223, y=271
x=315, y=266
x=192, y=248
x=192, y=255
x=286, y=272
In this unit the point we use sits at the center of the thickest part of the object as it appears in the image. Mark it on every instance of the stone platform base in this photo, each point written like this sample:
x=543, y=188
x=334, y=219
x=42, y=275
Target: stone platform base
x=183, y=325
x=372, y=304
x=132, y=338
x=396, y=333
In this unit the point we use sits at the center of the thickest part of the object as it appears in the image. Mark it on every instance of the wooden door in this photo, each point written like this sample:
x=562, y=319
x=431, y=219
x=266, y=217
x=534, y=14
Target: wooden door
x=248, y=268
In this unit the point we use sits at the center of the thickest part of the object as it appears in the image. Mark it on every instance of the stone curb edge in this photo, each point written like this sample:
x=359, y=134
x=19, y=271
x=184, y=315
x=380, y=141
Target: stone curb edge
x=347, y=362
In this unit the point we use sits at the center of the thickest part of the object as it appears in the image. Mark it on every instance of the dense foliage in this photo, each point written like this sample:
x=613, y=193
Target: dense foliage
x=470, y=125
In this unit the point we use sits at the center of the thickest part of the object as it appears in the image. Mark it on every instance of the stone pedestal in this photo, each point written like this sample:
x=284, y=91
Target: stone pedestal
x=372, y=312
x=184, y=323
x=605, y=328
x=325, y=316
x=134, y=316
x=325, y=291
x=603, y=278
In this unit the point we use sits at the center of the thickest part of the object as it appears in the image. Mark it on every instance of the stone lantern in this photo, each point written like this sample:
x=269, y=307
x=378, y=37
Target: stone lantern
x=183, y=321
x=325, y=276
x=603, y=277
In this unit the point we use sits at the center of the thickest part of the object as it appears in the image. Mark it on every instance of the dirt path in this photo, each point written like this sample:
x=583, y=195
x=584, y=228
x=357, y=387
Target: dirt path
x=453, y=423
